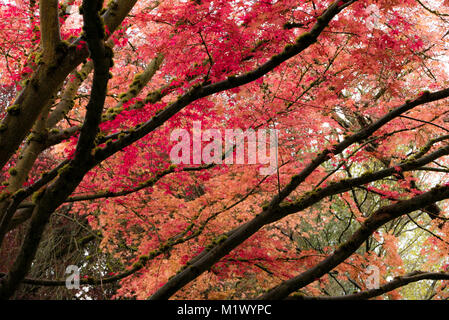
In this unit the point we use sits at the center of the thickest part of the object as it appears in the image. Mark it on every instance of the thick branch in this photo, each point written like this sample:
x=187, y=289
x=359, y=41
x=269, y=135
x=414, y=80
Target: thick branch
x=45, y=79
x=274, y=212
x=49, y=18
x=396, y=283
x=66, y=103
x=302, y=42
x=377, y=219
x=71, y=176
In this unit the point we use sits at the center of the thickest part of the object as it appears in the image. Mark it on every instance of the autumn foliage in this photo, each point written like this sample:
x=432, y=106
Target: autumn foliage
x=90, y=94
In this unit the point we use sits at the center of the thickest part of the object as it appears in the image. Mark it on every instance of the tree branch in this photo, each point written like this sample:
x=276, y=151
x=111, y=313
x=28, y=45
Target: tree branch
x=45, y=79
x=50, y=36
x=274, y=211
x=377, y=219
x=396, y=283
x=70, y=176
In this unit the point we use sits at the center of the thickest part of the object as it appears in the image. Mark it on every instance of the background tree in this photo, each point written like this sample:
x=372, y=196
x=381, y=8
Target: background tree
x=91, y=93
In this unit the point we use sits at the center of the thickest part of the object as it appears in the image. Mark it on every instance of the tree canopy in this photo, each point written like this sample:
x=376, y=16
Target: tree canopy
x=348, y=101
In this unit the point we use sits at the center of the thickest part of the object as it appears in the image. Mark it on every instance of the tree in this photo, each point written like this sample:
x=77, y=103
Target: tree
x=353, y=91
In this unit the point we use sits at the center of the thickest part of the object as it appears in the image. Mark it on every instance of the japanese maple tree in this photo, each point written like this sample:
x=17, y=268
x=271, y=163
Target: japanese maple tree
x=356, y=91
